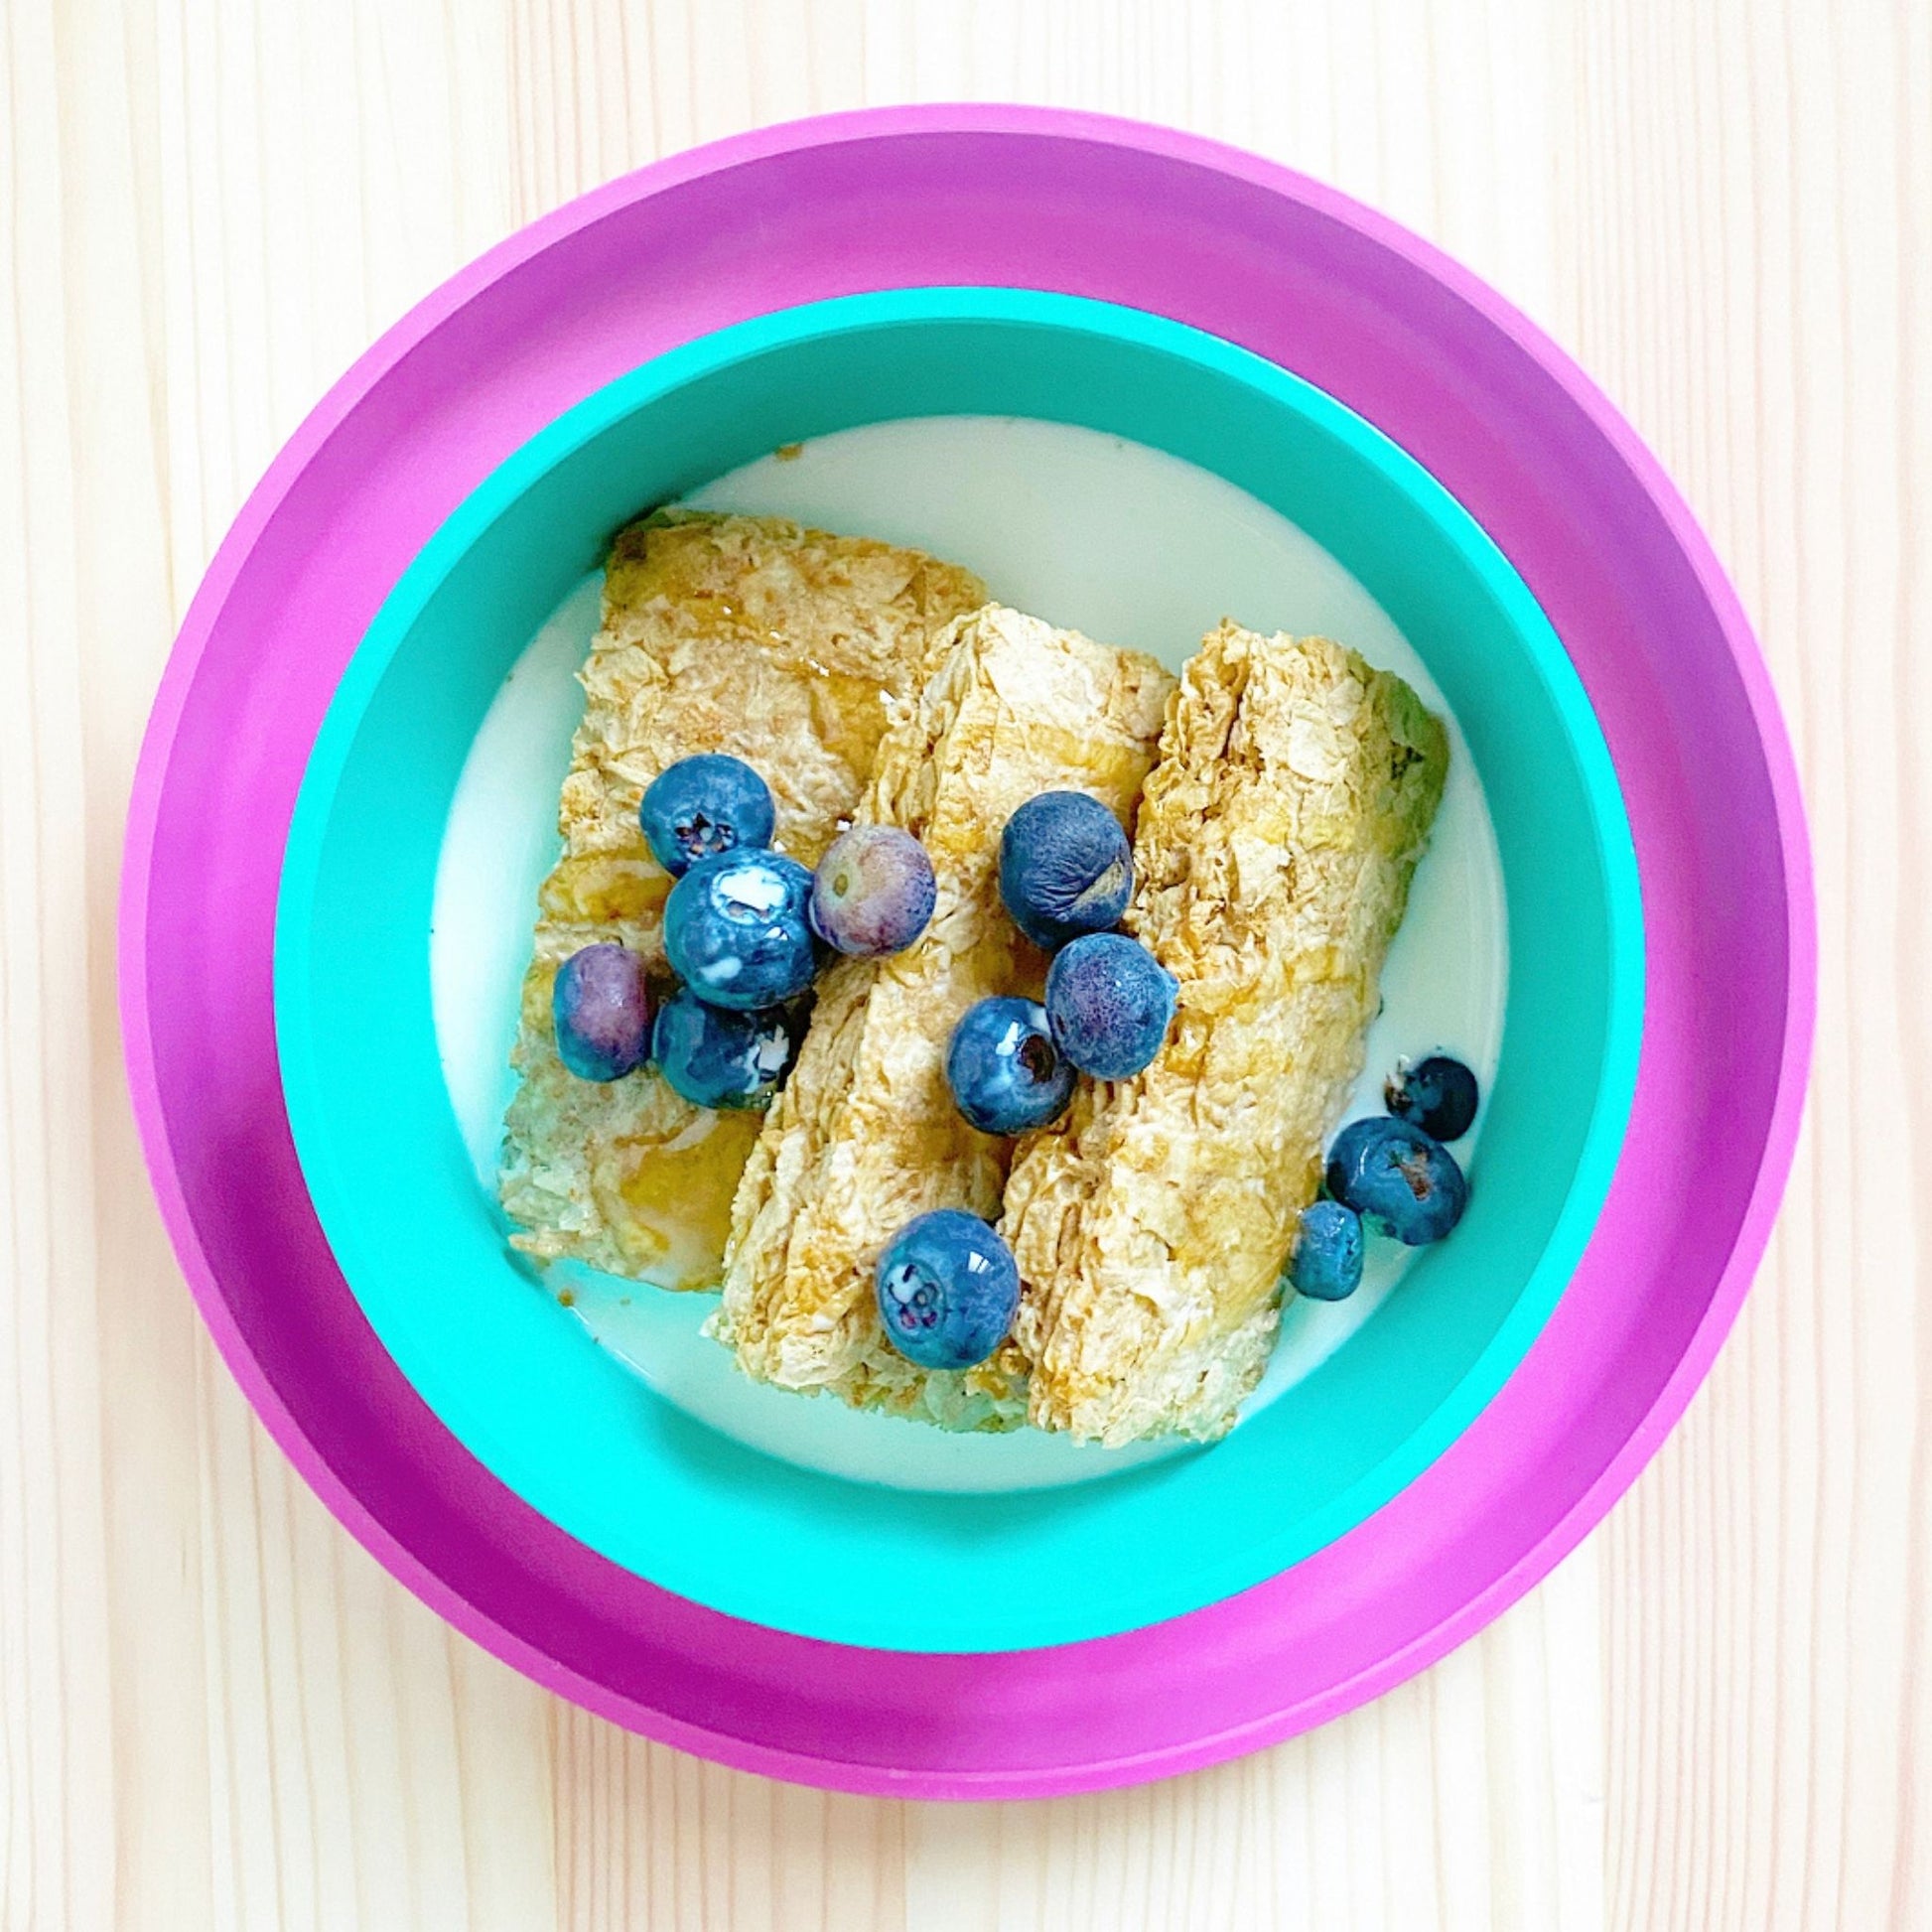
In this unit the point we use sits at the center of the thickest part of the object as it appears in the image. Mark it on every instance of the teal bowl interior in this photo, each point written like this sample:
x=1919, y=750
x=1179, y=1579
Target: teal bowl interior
x=578, y=1437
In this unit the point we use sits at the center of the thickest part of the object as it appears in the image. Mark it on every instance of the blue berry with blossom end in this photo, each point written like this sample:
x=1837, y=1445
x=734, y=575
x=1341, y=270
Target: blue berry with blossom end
x=948, y=1290
x=1007, y=1075
x=873, y=892
x=702, y=806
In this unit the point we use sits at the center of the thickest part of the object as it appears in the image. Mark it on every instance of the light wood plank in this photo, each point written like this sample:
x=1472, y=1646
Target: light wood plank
x=1766, y=170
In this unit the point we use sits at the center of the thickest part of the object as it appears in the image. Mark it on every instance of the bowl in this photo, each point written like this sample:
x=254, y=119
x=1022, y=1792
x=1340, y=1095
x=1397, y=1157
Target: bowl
x=1313, y=282
x=604, y=1456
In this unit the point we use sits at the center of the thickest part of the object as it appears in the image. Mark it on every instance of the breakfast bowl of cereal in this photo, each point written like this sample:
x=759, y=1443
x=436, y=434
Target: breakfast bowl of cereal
x=1236, y=773
x=1090, y=520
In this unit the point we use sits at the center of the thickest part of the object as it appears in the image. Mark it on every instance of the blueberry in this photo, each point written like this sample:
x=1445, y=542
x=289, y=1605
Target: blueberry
x=1399, y=1180
x=1006, y=1073
x=948, y=1290
x=1327, y=1264
x=1065, y=868
x=873, y=892
x=600, y=1008
x=717, y=1057
x=702, y=806
x=1437, y=1094
x=1109, y=1002
x=735, y=931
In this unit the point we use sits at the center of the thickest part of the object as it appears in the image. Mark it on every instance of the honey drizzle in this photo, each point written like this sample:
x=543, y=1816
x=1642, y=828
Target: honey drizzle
x=678, y=1194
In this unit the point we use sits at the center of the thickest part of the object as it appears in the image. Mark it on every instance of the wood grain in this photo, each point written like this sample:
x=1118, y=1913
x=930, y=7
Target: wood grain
x=215, y=1712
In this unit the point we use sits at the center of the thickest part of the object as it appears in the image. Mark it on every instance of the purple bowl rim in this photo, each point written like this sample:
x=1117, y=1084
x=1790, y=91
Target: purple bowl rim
x=859, y=125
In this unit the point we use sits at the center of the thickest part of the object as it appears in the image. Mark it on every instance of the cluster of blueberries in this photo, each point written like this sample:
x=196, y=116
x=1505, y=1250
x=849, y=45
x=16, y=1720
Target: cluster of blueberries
x=745, y=931
x=948, y=1289
x=1391, y=1174
x=1065, y=873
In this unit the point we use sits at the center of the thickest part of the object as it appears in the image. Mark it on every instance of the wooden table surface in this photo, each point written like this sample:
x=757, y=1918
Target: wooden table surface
x=216, y=1711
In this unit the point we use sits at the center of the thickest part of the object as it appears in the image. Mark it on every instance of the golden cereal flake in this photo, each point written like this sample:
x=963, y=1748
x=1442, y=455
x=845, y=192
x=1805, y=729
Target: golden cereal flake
x=791, y=649
x=864, y=1135
x=1276, y=842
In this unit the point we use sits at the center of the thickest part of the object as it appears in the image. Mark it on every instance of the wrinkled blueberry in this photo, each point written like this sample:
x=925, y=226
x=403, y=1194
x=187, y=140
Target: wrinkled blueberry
x=1006, y=1073
x=1109, y=1002
x=702, y=806
x=1065, y=868
x=735, y=929
x=1399, y=1180
x=601, y=1006
x=1437, y=1094
x=873, y=892
x=717, y=1057
x=948, y=1290
x=1327, y=1264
